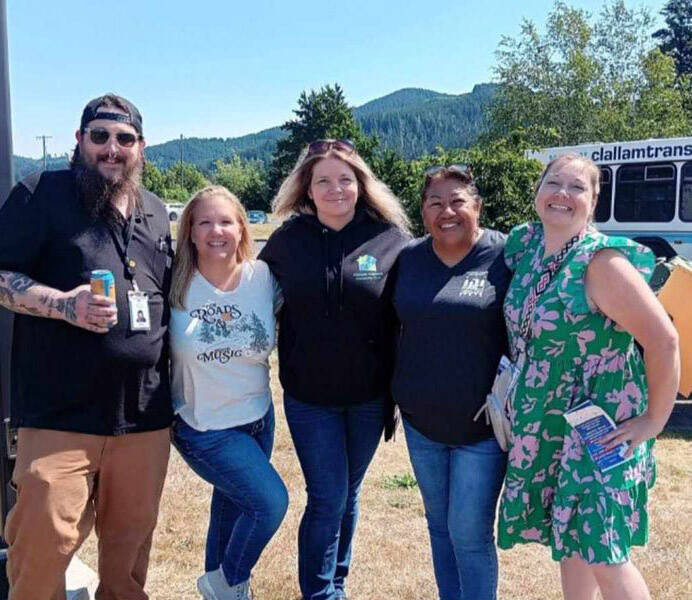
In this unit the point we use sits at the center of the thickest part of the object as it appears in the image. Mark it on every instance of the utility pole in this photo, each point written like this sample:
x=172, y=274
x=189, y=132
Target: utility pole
x=44, y=138
x=7, y=496
x=181, y=161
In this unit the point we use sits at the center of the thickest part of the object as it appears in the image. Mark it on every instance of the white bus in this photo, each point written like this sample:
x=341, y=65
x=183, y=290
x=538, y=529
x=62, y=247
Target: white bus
x=646, y=190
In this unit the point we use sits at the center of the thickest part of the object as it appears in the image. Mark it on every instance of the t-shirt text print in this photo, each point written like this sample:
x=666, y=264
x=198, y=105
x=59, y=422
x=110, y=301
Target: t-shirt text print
x=220, y=345
x=473, y=284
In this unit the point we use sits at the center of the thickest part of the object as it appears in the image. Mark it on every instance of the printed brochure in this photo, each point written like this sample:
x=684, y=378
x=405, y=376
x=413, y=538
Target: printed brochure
x=591, y=423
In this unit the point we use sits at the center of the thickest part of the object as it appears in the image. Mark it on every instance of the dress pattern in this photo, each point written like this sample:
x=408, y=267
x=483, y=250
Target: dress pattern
x=554, y=494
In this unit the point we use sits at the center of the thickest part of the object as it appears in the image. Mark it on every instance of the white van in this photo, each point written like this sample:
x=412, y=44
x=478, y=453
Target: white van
x=646, y=190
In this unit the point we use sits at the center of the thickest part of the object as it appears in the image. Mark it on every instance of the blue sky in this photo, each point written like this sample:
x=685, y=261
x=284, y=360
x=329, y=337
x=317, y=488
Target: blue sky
x=220, y=68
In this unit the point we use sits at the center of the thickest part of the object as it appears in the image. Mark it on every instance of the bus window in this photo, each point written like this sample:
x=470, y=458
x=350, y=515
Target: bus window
x=602, y=212
x=686, y=193
x=645, y=193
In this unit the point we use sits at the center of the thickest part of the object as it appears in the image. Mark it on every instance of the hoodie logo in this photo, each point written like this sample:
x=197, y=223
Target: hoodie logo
x=367, y=263
x=367, y=268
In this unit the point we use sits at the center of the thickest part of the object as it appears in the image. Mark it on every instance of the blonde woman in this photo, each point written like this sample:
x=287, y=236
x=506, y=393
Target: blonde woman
x=576, y=303
x=336, y=340
x=222, y=330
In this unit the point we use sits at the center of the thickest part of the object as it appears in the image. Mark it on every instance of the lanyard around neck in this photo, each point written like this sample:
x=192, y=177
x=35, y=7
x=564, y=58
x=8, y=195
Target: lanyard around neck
x=123, y=245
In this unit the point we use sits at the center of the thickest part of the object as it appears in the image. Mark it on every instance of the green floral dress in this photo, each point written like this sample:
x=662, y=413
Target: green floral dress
x=554, y=494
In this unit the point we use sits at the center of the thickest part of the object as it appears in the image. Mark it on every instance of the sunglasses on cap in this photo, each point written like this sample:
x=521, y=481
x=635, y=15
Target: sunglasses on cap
x=461, y=169
x=99, y=136
x=324, y=146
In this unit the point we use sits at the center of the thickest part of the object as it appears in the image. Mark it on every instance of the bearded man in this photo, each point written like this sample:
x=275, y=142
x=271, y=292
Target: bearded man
x=90, y=390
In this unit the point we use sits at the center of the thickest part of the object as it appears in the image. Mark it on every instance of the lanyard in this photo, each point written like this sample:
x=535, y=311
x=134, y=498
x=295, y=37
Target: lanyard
x=123, y=246
x=536, y=290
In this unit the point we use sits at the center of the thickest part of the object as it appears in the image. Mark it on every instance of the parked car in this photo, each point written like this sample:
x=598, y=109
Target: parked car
x=257, y=216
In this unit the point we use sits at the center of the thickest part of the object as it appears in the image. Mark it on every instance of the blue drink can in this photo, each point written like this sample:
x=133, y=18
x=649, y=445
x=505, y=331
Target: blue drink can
x=103, y=283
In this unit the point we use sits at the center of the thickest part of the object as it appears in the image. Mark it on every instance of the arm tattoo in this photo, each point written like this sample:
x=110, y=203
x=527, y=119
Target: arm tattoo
x=29, y=310
x=11, y=284
x=21, y=283
x=21, y=294
x=71, y=310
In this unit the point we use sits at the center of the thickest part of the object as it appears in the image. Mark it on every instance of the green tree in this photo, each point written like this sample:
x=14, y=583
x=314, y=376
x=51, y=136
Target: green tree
x=584, y=80
x=676, y=38
x=176, y=184
x=152, y=179
x=660, y=107
x=504, y=176
x=186, y=178
x=247, y=180
x=320, y=115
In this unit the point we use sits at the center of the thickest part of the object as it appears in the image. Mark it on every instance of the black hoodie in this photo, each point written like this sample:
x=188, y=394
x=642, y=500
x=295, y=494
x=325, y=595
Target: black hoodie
x=337, y=324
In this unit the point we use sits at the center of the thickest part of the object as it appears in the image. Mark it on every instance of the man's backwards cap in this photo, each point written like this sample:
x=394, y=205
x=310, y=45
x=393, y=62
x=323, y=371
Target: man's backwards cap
x=133, y=117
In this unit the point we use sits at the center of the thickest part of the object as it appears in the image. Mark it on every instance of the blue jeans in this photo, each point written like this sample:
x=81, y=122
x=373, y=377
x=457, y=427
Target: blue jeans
x=335, y=446
x=249, y=500
x=460, y=486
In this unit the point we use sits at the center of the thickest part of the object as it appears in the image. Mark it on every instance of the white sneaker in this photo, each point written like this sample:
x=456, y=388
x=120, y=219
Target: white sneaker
x=213, y=586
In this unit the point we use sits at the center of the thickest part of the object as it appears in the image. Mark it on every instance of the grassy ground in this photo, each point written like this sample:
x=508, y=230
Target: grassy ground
x=392, y=557
x=262, y=231
x=259, y=231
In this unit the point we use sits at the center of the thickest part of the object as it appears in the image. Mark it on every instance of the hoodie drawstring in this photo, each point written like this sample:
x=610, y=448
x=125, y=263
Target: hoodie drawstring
x=325, y=258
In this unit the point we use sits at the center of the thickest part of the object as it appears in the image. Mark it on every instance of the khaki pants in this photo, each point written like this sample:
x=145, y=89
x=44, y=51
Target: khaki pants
x=67, y=482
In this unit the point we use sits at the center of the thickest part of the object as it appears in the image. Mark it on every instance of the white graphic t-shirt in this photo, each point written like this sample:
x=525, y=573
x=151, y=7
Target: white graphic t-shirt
x=220, y=346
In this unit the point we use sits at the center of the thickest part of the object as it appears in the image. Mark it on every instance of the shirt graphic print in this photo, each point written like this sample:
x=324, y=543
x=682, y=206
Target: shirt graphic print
x=220, y=345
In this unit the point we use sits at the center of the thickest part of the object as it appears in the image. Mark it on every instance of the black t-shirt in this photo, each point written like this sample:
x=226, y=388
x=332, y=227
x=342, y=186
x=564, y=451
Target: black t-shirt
x=65, y=377
x=452, y=337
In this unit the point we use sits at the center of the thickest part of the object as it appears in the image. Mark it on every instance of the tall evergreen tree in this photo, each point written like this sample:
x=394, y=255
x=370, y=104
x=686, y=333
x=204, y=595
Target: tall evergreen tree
x=676, y=39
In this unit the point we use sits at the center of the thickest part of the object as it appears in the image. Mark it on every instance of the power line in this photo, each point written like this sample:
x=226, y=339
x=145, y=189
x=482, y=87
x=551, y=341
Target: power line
x=44, y=138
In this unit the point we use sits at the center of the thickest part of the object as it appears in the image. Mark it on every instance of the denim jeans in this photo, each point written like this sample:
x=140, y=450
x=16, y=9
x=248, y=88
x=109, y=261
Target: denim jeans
x=335, y=446
x=249, y=500
x=460, y=486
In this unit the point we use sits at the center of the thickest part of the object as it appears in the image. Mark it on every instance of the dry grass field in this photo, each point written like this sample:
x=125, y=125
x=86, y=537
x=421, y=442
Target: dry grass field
x=392, y=555
x=262, y=231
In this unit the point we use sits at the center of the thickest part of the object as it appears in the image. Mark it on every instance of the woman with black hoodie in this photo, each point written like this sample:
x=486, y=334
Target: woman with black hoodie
x=336, y=340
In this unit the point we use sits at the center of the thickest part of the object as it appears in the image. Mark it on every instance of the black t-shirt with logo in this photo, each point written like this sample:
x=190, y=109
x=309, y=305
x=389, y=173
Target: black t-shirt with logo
x=65, y=377
x=452, y=337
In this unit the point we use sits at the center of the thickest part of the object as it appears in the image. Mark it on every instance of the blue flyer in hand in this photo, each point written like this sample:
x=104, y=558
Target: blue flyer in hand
x=591, y=422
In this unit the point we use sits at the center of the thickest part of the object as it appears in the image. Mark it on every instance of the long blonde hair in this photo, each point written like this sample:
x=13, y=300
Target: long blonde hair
x=185, y=262
x=379, y=200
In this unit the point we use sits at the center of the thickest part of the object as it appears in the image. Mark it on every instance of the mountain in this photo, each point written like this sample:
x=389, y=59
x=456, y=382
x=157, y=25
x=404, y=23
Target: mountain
x=411, y=121
x=414, y=122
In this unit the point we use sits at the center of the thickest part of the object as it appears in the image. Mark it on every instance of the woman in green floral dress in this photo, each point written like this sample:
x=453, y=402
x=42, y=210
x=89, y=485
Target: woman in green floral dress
x=581, y=347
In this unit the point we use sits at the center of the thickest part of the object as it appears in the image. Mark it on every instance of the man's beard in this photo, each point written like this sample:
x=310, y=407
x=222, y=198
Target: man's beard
x=98, y=192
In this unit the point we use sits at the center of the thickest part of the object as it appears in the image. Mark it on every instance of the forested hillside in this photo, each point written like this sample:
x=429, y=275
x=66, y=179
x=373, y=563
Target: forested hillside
x=410, y=121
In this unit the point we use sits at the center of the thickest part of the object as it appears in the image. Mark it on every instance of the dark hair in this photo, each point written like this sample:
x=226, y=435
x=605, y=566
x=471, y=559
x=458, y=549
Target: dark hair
x=463, y=175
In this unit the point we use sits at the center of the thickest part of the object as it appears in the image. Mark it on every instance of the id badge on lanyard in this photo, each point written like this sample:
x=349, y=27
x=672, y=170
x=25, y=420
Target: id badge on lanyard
x=138, y=303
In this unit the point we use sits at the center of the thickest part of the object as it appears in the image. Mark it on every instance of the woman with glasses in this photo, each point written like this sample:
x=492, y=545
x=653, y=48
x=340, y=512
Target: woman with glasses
x=332, y=260
x=221, y=333
x=577, y=301
x=448, y=297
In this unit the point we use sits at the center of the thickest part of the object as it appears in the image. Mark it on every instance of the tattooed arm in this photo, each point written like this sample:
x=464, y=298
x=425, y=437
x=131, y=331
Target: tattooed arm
x=80, y=307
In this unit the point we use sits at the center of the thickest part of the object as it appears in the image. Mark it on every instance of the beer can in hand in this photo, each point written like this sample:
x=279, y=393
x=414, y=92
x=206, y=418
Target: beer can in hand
x=103, y=283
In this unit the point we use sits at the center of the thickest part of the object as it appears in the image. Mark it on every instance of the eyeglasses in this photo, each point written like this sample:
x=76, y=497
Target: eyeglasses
x=461, y=169
x=100, y=136
x=324, y=146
